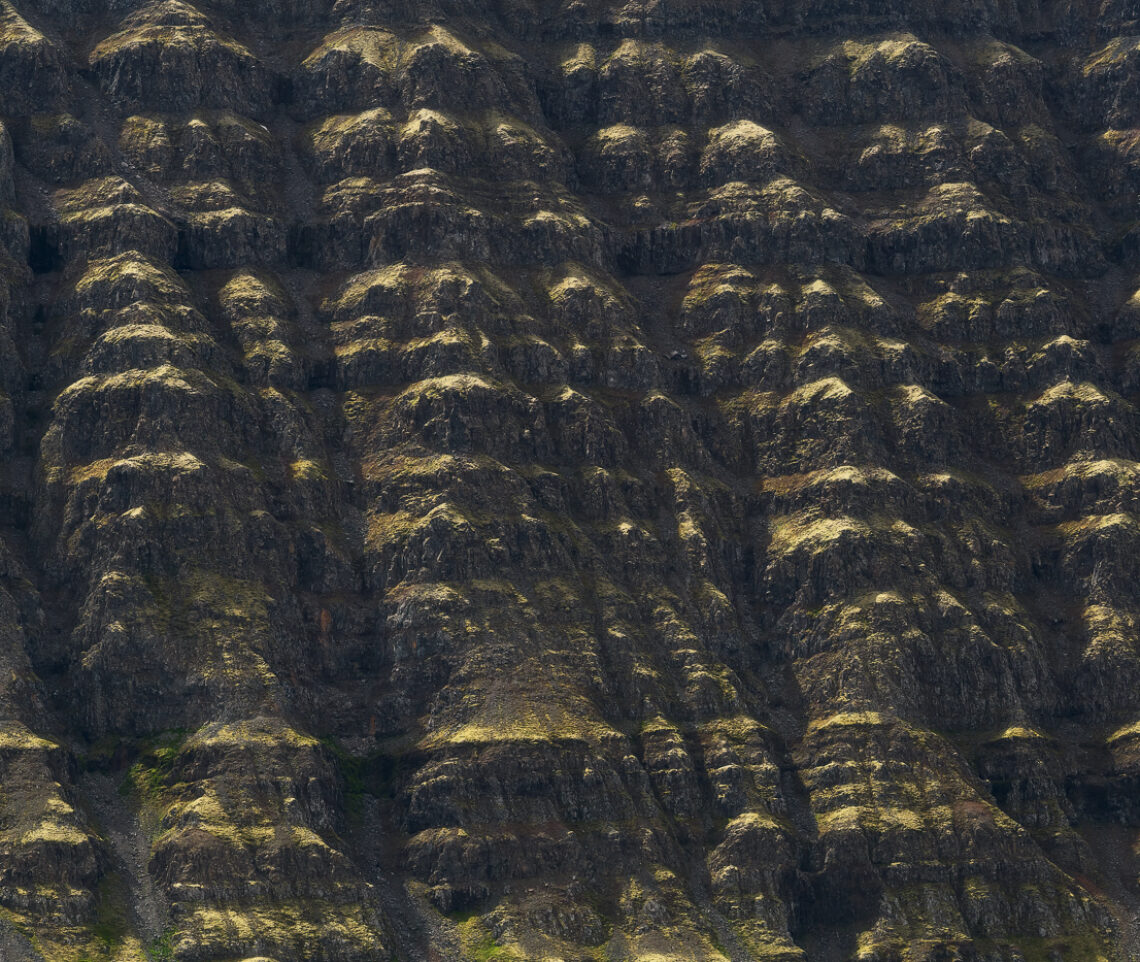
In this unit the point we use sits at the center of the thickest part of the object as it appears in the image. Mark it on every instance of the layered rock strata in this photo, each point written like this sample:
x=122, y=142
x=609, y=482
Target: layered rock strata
x=569, y=481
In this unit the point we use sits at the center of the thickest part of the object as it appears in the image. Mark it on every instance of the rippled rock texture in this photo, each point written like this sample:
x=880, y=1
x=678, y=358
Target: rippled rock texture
x=569, y=481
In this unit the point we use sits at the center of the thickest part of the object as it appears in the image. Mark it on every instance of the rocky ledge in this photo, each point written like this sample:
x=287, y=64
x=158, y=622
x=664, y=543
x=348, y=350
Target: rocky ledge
x=580, y=481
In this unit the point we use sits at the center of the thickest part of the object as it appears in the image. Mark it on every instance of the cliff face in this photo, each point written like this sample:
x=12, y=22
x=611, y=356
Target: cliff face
x=582, y=481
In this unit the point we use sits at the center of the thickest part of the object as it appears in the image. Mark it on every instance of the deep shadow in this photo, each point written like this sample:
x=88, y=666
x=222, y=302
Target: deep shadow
x=44, y=255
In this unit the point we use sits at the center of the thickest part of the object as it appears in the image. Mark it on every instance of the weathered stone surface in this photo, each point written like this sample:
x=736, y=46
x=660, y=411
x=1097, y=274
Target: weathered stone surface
x=603, y=481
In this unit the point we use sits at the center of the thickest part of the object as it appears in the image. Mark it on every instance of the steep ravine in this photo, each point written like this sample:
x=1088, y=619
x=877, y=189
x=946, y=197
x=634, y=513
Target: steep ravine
x=569, y=481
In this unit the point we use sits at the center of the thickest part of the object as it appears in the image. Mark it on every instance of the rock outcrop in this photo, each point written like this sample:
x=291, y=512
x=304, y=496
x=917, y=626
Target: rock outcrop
x=592, y=481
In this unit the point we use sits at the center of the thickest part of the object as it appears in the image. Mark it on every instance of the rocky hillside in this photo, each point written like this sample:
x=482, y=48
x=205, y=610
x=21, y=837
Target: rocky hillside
x=569, y=480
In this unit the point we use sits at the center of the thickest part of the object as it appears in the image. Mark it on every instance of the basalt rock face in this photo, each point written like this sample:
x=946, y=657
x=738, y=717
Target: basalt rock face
x=575, y=481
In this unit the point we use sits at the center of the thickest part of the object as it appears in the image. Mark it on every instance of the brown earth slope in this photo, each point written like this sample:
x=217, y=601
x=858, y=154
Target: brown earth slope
x=527, y=479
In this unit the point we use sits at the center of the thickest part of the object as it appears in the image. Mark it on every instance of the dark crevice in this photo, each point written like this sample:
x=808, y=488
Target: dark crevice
x=44, y=254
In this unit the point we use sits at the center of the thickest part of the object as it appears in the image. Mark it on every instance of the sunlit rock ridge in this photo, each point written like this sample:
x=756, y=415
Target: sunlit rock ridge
x=569, y=481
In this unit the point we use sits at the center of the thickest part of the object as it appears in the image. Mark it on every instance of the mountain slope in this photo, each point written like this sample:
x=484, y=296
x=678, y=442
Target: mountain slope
x=521, y=480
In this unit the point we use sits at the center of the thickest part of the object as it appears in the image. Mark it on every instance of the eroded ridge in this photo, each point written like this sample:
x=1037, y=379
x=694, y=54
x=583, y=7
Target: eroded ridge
x=588, y=482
